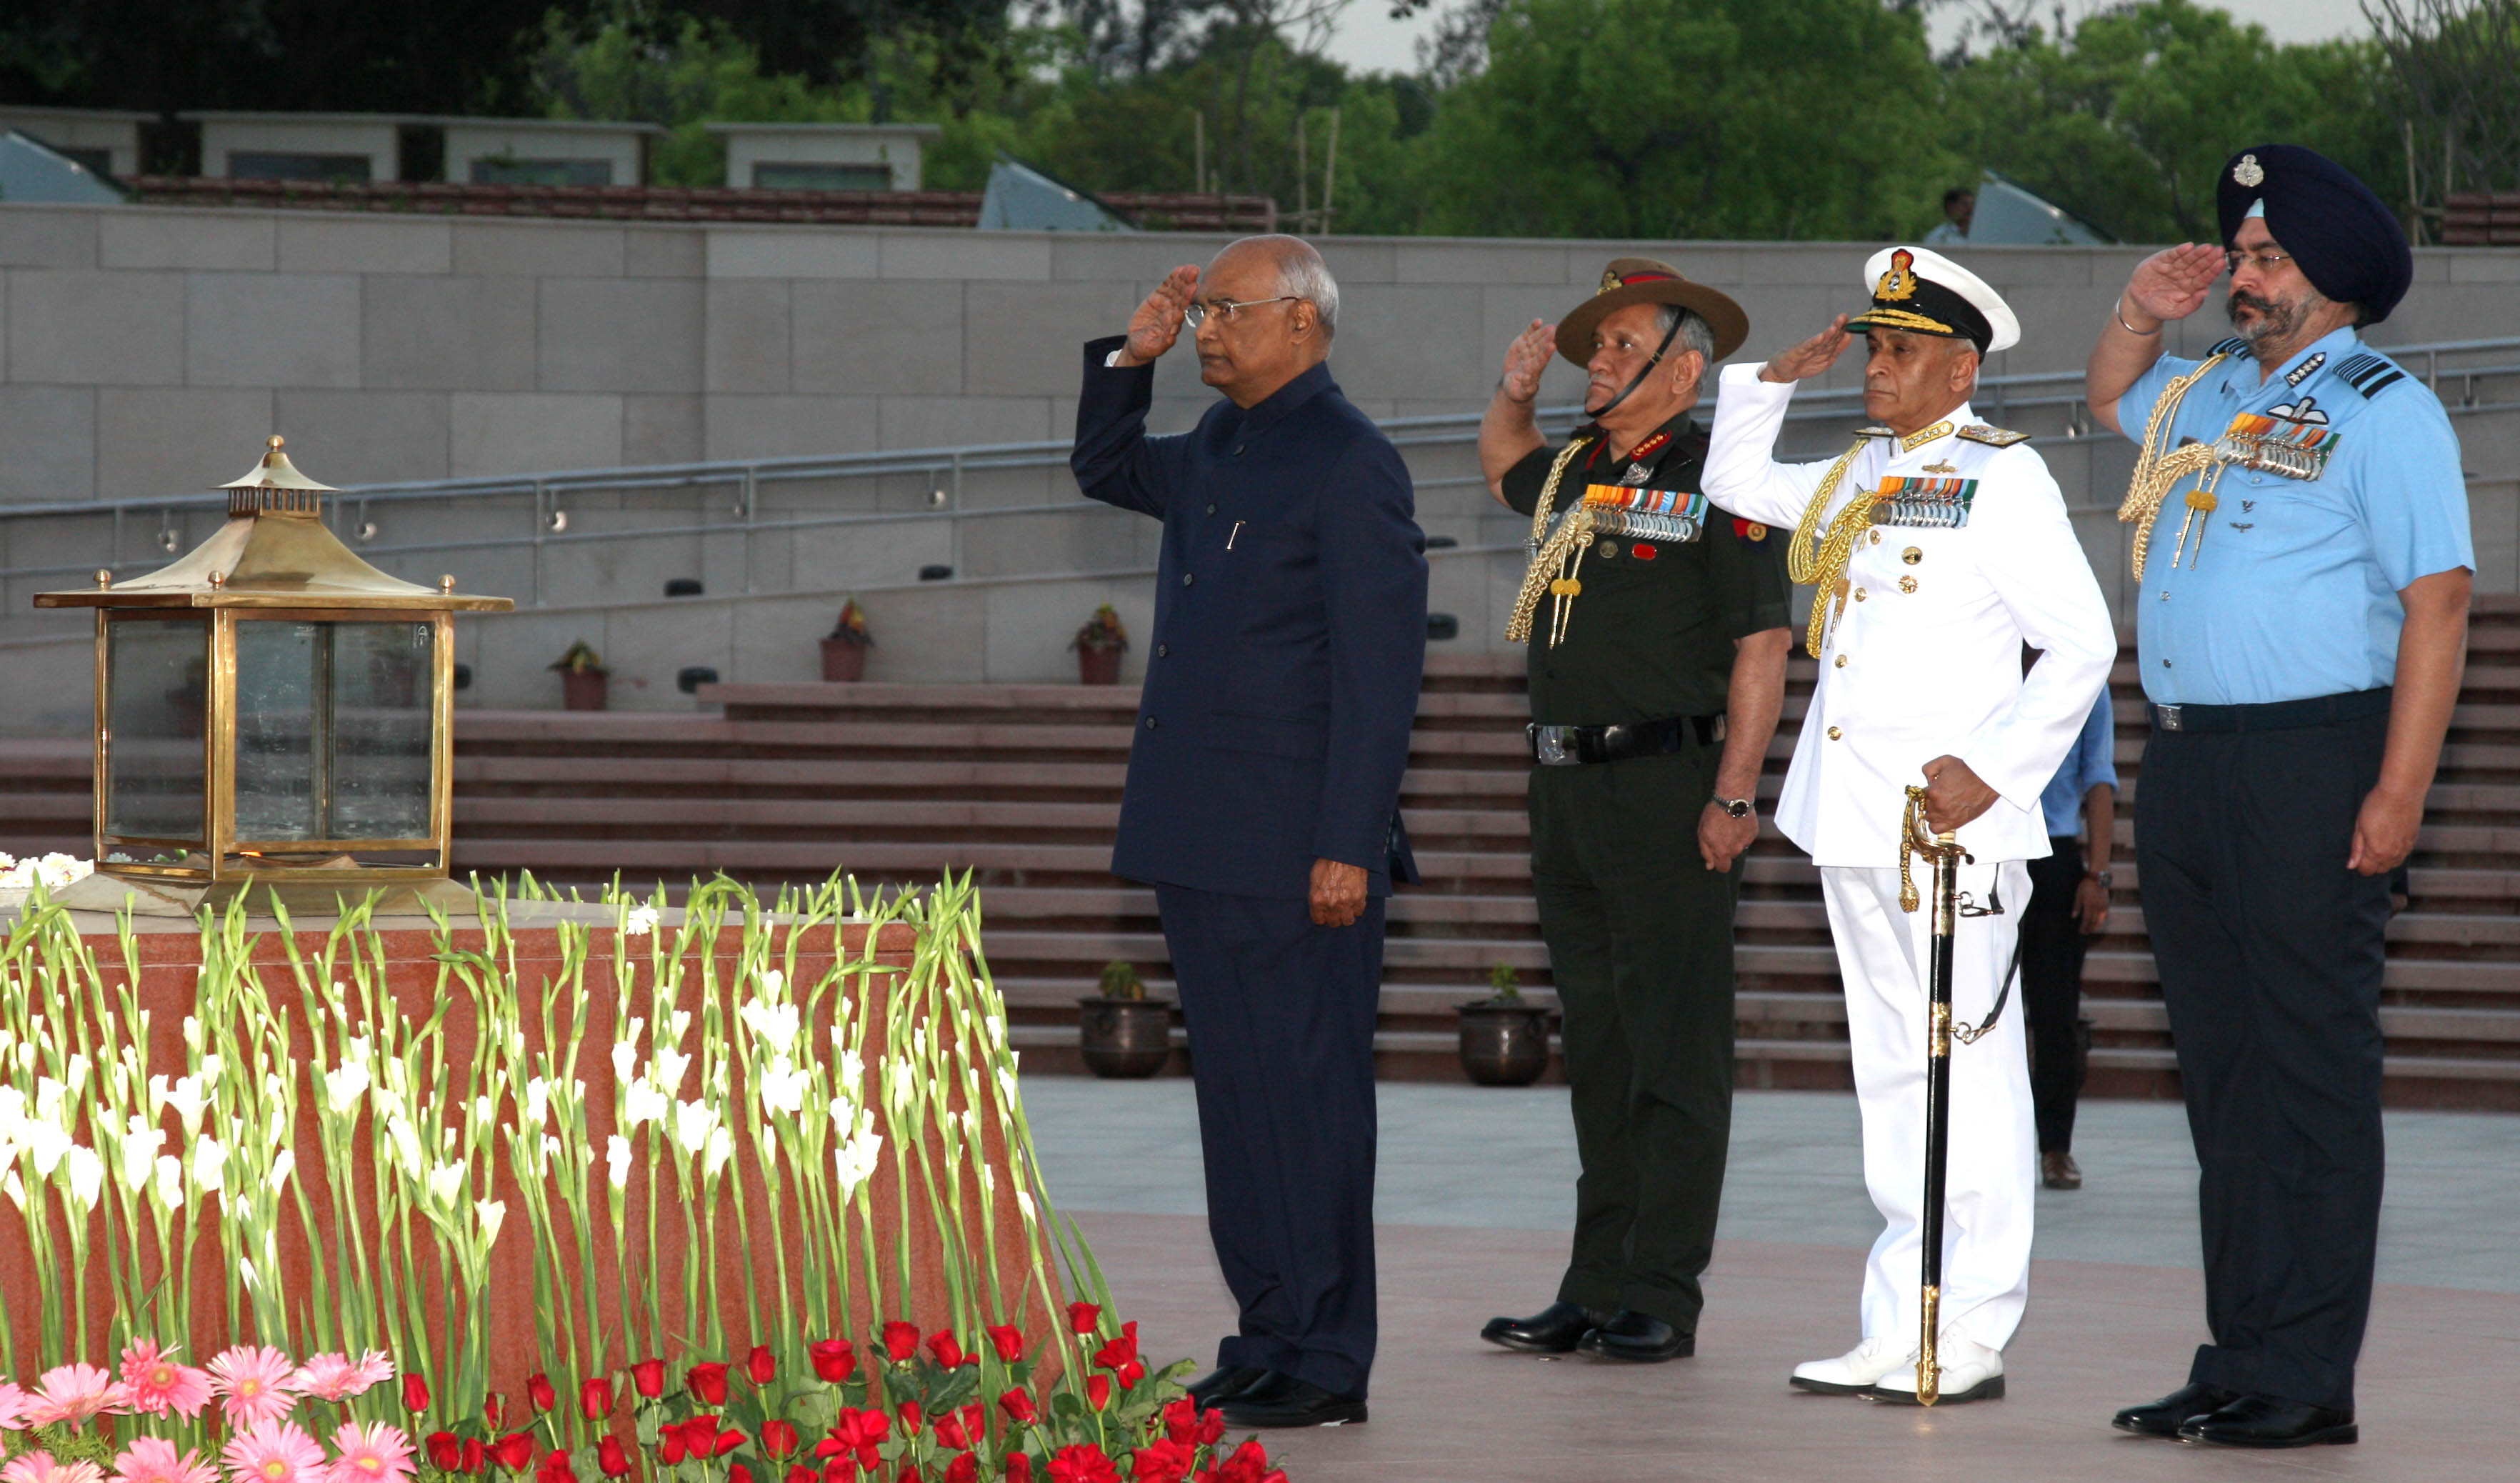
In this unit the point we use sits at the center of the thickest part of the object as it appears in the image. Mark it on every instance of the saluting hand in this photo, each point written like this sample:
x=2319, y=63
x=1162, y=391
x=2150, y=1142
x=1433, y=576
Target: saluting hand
x=2171, y=283
x=1955, y=794
x=1810, y=358
x=1158, y=321
x=1526, y=358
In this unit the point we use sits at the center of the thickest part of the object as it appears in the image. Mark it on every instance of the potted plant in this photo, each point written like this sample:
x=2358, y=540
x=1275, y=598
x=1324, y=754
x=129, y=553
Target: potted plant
x=845, y=648
x=581, y=677
x=1504, y=1038
x=1121, y=1031
x=1098, y=645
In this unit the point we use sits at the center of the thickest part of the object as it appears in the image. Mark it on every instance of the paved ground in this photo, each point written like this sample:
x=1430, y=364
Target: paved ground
x=1474, y=1199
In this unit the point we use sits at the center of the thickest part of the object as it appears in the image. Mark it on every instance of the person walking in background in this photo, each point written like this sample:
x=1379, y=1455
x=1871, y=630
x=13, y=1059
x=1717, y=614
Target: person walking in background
x=2069, y=906
x=1653, y=702
x=1262, y=799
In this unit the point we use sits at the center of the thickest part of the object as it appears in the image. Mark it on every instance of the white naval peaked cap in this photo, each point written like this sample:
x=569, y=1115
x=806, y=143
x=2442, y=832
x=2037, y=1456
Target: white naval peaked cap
x=1938, y=272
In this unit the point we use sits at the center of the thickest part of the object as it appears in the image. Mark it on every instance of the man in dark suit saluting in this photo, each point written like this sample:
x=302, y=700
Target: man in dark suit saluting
x=1264, y=784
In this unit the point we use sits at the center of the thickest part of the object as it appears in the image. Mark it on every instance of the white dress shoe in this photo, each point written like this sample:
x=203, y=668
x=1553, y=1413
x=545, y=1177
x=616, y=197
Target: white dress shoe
x=1854, y=1372
x=1969, y=1372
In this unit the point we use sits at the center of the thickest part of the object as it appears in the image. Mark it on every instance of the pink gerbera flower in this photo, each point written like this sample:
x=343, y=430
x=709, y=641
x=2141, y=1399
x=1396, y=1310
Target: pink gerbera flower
x=339, y=1377
x=153, y=1460
x=375, y=1454
x=71, y=1395
x=40, y=1467
x=274, y=1452
x=253, y=1384
x=154, y=1383
x=14, y=1405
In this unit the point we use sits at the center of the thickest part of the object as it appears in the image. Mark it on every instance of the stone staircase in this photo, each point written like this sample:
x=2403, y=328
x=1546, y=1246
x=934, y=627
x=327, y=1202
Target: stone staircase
x=1021, y=783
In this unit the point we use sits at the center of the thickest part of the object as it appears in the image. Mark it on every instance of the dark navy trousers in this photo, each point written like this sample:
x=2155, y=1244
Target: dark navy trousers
x=1281, y=1014
x=2270, y=954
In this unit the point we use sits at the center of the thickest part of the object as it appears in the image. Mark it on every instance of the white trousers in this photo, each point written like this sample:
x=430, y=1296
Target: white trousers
x=1883, y=954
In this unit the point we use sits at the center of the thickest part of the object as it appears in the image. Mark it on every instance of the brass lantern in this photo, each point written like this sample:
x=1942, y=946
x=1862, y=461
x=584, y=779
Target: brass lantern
x=272, y=711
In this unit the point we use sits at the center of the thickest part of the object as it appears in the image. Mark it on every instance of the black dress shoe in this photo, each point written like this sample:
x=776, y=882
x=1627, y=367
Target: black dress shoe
x=1221, y=1384
x=1277, y=1400
x=2163, y=1418
x=1554, y=1329
x=1640, y=1338
x=2266, y=1422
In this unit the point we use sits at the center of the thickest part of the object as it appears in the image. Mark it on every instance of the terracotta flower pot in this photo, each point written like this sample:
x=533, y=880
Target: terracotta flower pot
x=1505, y=1045
x=1125, y=1037
x=1097, y=667
x=581, y=690
x=844, y=661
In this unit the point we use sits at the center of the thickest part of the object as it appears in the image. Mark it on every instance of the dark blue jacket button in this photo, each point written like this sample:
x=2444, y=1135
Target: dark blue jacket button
x=1150, y=723
x=1187, y=579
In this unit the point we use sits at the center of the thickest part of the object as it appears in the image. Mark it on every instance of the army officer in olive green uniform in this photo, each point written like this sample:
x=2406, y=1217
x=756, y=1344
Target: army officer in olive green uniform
x=1657, y=632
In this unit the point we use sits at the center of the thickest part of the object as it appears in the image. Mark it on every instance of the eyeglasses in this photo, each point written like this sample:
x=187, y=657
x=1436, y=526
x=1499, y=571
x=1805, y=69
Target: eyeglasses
x=2263, y=262
x=1225, y=312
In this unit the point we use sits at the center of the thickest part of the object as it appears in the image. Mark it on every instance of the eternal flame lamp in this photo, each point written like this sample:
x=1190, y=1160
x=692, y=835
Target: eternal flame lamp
x=271, y=712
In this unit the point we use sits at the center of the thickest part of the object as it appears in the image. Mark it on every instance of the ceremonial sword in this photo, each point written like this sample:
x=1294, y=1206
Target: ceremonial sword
x=1945, y=852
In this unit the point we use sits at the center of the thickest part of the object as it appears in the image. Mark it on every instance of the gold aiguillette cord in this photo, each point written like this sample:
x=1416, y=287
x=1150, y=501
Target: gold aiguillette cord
x=1549, y=575
x=2156, y=472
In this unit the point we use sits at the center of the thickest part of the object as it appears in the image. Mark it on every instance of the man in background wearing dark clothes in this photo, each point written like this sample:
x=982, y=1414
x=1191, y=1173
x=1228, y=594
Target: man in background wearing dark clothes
x=2069, y=905
x=1263, y=792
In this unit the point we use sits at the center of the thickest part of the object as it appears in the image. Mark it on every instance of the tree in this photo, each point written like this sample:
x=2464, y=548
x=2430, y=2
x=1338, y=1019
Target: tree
x=2453, y=74
x=1744, y=119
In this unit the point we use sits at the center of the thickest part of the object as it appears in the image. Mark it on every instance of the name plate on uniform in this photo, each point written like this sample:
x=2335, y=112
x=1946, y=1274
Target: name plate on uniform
x=1645, y=514
x=1940, y=503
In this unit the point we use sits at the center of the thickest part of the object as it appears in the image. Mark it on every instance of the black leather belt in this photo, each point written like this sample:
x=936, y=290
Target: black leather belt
x=1576, y=745
x=2274, y=716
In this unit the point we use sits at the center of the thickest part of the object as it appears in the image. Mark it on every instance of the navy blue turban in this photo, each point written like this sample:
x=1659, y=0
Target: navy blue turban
x=2349, y=245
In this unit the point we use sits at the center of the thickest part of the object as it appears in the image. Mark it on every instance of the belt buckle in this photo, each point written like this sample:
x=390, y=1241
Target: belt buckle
x=1552, y=745
x=2168, y=716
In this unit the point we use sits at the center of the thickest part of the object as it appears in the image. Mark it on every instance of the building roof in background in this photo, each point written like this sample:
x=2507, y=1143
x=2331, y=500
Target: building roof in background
x=888, y=130
x=1021, y=199
x=33, y=172
x=2010, y=215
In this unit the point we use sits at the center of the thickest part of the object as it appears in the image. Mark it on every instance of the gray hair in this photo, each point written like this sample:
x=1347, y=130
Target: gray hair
x=1694, y=333
x=1301, y=274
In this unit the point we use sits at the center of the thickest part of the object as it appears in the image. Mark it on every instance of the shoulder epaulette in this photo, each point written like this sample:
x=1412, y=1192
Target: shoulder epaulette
x=2369, y=373
x=2233, y=347
x=1993, y=437
x=1875, y=430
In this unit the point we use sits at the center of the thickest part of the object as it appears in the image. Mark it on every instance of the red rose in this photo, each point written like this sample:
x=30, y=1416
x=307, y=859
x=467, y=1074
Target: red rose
x=1121, y=1350
x=835, y=1361
x=949, y=1434
x=901, y=1341
x=513, y=1452
x=445, y=1453
x=415, y=1393
x=708, y=1382
x=760, y=1365
x=738, y=1473
x=649, y=1375
x=494, y=1411
x=612, y=1458
x=474, y=1454
x=1131, y=1373
x=799, y=1473
x=1082, y=1463
x=706, y=1436
x=594, y=1400
x=855, y=1435
x=778, y=1438
x=948, y=1352
x=538, y=1389
x=1082, y=1318
x=1018, y=1406
x=975, y=1422
x=1020, y=1468
x=965, y=1468
x=1098, y=1391
x=1008, y=1342
x=1165, y=1461
x=912, y=1418
x=669, y=1446
x=555, y=1468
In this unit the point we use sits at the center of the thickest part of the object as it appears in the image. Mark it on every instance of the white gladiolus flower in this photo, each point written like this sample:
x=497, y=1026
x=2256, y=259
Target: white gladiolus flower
x=693, y=1121
x=988, y=1182
x=190, y=1098
x=87, y=1177
x=168, y=1190
x=1023, y=1203
x=777, y=1024
x=15, y=1188
x=344, y=1085
x=78, y=1069
x=537, y=1103
x=445, y=1182
x=773, y=982
x=404, y=1140
x=158, y=1088
x=852, y=1071
x=210, y=1164
x=252, y=1279
x=616, y=1161
x=625, y=1060
x=140, y=1152
x=641, y=920
x=48, y=1141
x=281, y=1168
x=192, y=1034
x=491, y=1213
x=485, y=1110
x=854, y=1162
x=48, y=1098
x=721, y=1147
x=667, y=1069
x=551, y=1148
x=641, y=1103
x=677, y=1023
x=356, y=1049
x=783, y=1087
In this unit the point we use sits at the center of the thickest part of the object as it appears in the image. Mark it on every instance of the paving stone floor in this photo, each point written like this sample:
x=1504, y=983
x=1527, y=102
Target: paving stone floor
x=1475, y=1193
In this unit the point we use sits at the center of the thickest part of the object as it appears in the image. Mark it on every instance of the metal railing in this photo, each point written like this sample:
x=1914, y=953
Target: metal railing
x=945, y=470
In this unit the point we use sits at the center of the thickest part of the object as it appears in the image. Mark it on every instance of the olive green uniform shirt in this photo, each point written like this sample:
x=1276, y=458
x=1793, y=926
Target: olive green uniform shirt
x=1651, y=635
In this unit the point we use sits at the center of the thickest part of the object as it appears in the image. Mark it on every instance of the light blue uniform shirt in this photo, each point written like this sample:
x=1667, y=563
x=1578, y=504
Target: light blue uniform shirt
x=2293, y=592
x=2092, y=762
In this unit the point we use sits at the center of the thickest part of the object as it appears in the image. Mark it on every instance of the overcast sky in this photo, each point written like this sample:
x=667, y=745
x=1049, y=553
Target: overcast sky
x=1368, y=40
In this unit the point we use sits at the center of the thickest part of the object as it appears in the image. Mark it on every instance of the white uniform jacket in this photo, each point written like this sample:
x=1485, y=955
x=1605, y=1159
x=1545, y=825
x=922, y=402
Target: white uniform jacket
x=1926, y=659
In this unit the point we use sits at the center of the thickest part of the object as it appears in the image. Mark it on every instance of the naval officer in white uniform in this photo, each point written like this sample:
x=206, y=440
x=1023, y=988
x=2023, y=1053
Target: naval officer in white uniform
x=1938, y=545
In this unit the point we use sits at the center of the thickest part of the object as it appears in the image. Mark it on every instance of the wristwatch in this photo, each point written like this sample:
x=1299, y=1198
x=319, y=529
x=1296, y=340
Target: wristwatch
x=2101, y=875
x=1738, y=808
